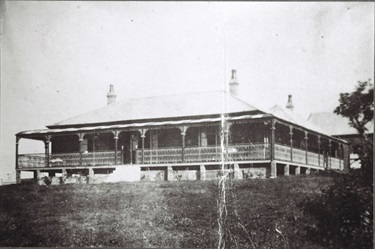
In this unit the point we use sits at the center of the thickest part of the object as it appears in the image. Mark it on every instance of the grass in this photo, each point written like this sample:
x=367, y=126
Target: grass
x=260, y=214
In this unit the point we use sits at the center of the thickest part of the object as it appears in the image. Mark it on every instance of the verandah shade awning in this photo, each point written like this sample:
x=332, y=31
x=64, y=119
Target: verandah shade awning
x=40, y=134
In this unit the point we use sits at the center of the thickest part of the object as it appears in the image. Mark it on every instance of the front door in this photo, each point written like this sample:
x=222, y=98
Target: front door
x=126, y=147
x=133, y=149
x=125, y=153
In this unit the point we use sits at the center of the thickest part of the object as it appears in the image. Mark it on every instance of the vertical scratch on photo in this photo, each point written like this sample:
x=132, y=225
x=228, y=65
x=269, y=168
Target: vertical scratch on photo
x=222, y=198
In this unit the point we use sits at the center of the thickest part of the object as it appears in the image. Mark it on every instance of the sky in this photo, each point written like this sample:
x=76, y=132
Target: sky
x=58, y=58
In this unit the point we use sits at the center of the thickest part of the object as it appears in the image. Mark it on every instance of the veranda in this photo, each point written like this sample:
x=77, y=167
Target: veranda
x=244, y=143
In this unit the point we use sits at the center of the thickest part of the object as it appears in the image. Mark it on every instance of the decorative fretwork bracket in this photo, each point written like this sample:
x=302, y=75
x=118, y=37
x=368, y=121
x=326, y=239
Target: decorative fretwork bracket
x=267, y=122
x=80, y=136
x=227, y=126
x=273, y=124
x=291, y=130
x=143, y=132
x=47, y=139
x=116, y=134
x=183, y=130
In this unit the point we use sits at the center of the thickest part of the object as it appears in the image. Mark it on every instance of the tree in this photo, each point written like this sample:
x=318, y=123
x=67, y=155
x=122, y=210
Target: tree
x=358, y=107
x=343, y=214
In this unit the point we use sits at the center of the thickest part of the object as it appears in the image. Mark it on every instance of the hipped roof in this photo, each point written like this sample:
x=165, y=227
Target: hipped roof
x=170, y=110
x=162, y=107
x=292, y=117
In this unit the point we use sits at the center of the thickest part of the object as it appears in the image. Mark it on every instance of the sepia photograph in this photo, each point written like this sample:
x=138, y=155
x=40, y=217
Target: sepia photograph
x=176, y=124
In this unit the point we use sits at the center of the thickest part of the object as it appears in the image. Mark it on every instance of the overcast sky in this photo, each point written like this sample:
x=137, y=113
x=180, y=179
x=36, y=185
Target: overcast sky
x=58, y=58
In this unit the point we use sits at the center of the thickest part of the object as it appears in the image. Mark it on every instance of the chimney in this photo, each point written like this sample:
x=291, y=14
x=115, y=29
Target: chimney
x=233, y=84
x=290, y=105
x=111, y=95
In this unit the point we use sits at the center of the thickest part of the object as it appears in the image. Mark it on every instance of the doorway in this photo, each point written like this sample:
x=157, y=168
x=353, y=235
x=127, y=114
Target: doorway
x=129, y=144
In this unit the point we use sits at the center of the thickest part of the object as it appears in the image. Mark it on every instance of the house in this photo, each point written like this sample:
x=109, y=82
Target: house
x=338, y=126
x=181, y=137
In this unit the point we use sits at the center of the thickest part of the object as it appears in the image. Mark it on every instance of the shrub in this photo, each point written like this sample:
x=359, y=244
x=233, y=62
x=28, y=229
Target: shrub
x=342, y=216
x=47, y=180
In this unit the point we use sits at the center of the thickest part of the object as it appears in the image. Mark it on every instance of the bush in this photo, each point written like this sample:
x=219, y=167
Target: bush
x=47, y=180
x=342, y=217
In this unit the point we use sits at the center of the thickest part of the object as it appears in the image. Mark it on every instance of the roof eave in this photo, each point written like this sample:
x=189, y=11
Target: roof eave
x=41, y=134
x=318, y=132
x=151, y=120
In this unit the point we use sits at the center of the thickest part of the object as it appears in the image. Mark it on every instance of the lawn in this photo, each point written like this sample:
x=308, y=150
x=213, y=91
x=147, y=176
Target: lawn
x=259, y=214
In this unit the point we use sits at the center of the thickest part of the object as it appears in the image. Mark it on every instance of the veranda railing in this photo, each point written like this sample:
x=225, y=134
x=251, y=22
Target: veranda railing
x=283, y=153
x=236, y=152
x=99, y=158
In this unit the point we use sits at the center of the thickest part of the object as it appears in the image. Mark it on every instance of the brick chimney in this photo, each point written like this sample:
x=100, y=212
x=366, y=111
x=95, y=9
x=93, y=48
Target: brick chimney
x=290, y=105
x=233, y=84
x=111, y=95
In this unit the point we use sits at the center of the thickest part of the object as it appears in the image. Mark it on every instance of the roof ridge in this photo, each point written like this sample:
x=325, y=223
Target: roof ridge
x=171, y=95
x=275, y=105
x=243, y=101
x=164, y=98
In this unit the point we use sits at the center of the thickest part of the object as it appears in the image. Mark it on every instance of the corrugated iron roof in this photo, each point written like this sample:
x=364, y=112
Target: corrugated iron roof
x=161, y=108
x=44, y=132
x=336, y=124
x=172, y=106
x=291, y=116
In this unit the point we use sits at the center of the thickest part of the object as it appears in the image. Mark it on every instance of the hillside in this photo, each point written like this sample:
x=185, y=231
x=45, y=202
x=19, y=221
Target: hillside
x=260, y=214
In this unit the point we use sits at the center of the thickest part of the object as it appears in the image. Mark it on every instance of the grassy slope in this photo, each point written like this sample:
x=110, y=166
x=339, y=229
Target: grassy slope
x=157, y=214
